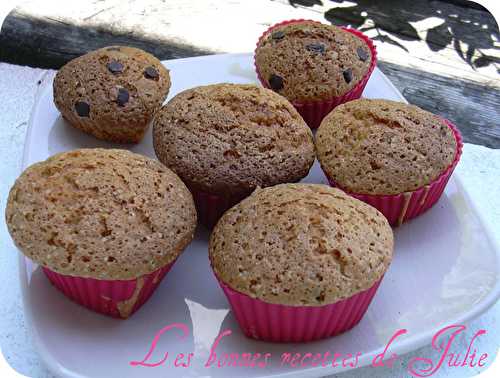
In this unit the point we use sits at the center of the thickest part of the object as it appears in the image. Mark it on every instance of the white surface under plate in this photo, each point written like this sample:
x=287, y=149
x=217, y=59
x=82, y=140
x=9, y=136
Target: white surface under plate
x=445, y=271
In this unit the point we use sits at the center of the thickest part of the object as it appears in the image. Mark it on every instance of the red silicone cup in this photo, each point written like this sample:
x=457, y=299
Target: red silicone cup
x=399, y=208
x=281, y=323
x=115, y=298
x=313, y=112
x=210, y=207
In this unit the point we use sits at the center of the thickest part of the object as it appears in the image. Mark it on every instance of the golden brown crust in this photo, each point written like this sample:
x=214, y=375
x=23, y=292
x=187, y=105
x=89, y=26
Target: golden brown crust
x=231, y=138
x=383, y=147
x=315, y=61
x=301, y=244
x=112, y=93
x=104, y=214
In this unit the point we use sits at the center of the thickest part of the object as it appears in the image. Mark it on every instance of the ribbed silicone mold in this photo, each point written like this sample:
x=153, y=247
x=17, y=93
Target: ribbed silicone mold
x=280, y=323
x=116, y=298
x=210, y=207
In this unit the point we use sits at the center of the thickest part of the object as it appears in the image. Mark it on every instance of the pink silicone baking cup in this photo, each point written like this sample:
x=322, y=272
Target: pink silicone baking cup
x=313, y=112
x=210, y=207
x=399, y=208
x=280, y=323
x=115, y=298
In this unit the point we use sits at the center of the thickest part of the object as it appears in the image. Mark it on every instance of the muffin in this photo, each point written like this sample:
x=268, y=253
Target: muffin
x=105, y=225
x=112, y=93
x=394, y=156
x=300, y=262
x=315, y=66
x=224, y=140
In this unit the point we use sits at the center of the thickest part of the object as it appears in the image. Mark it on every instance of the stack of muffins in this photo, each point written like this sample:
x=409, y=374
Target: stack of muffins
x=298, y=262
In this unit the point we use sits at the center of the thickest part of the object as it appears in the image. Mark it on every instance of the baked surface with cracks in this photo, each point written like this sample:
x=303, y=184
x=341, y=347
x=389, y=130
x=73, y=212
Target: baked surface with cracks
x=100, y=213
x=301, y=245
x=383, y=147
x=231, y=138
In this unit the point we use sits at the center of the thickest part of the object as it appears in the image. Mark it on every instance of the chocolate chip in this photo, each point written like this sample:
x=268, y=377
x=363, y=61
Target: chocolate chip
x=113, y=48
x=362, y=54
x=347, y=75
x=278, y=35
x=122, y=97
x=151, y=73
x=115, y=67
x=82, y=109
x=318, y=48
x=375, y=165
x=276, y=82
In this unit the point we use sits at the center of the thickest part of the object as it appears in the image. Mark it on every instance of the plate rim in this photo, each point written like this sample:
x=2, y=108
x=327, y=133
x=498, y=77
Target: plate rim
x=404, y=346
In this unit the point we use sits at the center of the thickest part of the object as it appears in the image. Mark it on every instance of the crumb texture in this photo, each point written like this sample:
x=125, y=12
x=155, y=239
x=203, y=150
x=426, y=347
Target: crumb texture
x=112, y=93
x=301, y=244
x=383, y=147
x=232, y=138
x=307, y=60
x=104, y=214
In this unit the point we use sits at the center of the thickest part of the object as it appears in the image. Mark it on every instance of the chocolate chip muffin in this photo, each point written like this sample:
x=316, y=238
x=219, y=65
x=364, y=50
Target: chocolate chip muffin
x=307, y=60
x=383, y=147
x=112, y=93
x=225, y=140
x=302, y=247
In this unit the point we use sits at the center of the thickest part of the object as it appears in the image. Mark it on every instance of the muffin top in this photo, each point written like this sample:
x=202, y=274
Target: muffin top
x=231, y=138
x=307, y=60
x=301, y=244
x=98, y=213
x=115, y=83
x=383, y=147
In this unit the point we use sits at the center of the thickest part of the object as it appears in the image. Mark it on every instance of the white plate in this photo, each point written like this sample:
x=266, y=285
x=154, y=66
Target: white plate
x=445, y=271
